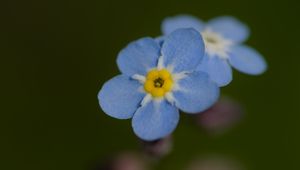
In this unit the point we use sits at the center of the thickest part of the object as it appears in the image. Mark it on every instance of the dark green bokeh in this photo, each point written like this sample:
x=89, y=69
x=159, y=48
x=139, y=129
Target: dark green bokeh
x=57, y=54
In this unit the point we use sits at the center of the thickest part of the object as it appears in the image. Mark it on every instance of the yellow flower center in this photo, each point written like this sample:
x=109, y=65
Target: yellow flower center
x=158, y=82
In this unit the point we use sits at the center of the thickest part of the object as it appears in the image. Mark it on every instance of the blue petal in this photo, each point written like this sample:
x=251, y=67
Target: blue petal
x=218, y=70
x=139, y=56
x=119, y=97
x=230, y=28
x=171, y=24
x=247, y=60
x=160, y=40
x=155, y=120
x=197, y=93
x=183, y=49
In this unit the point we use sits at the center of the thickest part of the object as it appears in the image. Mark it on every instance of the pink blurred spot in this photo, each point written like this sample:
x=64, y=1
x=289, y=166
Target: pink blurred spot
x=225, y=114
x=215, y=163
x=158, y=148
x=129, y=161
x=123, y=161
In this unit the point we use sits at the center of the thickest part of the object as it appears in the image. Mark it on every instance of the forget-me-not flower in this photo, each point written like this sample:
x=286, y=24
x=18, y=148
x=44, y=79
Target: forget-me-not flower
x=157, y=81
x=223, y=38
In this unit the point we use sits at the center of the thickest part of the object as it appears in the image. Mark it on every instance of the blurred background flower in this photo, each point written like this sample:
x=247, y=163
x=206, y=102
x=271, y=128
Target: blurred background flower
x=223, y=37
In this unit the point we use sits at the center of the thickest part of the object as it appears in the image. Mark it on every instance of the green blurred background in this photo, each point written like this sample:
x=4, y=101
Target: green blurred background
x=55, y=56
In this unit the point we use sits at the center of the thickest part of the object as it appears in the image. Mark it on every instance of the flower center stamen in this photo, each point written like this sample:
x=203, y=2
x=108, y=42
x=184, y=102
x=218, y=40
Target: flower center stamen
x=210, y=40
x=216, y=44
x=158, y=82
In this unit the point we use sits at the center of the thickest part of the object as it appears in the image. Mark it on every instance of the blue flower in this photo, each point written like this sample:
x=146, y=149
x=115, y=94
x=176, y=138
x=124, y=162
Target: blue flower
x=223, y=38
x=157, y=81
